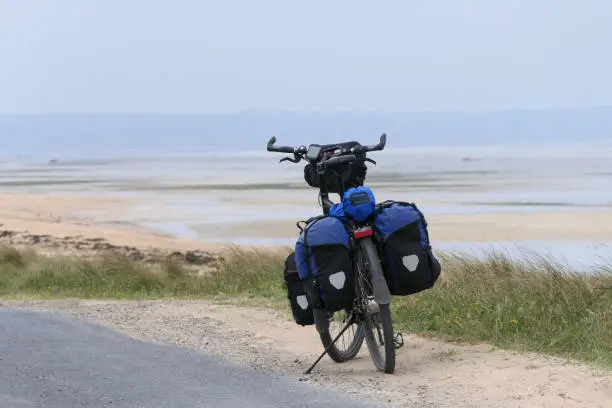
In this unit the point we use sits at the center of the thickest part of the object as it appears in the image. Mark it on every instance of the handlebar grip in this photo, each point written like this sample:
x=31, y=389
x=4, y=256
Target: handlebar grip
x=334, y=161
x=280, y=149
x=373, y=148
x=380, y=145
x=383, y=141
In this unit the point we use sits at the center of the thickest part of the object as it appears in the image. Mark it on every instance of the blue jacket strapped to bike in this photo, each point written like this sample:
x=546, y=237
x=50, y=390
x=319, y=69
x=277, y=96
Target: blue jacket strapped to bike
x=358, y=203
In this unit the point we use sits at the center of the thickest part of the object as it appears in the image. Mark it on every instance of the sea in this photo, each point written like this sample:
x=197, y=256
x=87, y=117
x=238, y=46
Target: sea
x=189, y=191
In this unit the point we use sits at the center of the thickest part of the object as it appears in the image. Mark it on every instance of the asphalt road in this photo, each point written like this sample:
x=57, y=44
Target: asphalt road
x=58, y=362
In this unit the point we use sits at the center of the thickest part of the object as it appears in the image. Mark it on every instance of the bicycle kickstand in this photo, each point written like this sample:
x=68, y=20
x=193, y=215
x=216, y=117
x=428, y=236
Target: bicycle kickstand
x=348, y=324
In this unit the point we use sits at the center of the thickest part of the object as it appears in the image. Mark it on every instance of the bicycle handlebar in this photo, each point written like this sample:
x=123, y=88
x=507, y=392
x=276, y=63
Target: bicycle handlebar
x=302, y=149
x=372, y=148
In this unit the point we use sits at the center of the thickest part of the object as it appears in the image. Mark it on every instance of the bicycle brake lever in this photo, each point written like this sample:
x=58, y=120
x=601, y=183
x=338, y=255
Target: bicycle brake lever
x=294, y=160
x=370, y=160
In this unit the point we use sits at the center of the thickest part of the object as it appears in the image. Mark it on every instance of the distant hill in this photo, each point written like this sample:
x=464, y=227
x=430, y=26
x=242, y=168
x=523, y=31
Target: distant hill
x=250, y=130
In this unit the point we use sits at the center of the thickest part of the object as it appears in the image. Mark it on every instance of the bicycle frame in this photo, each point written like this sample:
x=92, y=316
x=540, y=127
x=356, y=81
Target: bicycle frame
x=326, y=203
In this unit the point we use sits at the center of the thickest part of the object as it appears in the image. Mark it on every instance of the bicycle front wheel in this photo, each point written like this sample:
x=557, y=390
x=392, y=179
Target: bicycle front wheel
x=376, y=319
x=349, y=344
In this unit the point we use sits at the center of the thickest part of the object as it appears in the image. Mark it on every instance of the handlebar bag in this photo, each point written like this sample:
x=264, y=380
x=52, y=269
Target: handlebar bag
x=352, y=175
x=403, y=241
x=298, y=301
x=323, y=258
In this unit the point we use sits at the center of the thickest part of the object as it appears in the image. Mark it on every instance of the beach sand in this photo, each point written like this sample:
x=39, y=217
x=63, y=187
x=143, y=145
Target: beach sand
x=89, y=217
x=517, y=226
x=106, y=216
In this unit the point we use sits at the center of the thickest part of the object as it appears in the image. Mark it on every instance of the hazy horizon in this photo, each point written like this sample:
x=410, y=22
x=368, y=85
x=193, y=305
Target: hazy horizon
x=153, y=133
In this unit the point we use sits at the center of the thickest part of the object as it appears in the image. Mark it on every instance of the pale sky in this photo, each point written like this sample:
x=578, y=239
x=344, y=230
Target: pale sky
x=200, y=56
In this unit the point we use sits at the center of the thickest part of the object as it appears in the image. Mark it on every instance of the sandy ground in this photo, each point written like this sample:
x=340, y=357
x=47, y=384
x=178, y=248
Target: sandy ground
x=96, y=216
x=429, y=373
x=565, y=225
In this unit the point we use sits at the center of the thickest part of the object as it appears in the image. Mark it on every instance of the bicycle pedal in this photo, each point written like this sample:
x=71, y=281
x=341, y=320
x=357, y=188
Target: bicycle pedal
x=398, y=340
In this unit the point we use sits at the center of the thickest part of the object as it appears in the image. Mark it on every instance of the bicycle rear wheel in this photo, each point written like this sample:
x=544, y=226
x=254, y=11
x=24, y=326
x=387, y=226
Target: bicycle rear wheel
x=376, y=319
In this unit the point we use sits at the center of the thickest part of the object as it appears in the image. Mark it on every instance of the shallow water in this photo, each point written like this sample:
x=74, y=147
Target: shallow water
x=438, y=175
x=580, y=255
x=583, y=256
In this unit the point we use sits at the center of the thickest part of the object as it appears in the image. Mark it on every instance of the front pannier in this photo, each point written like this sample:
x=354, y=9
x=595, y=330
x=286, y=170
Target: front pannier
x=403, y=240
x=323, y=258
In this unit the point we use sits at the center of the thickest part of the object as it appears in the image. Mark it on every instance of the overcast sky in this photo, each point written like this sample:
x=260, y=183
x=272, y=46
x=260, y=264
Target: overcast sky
x=202, y=56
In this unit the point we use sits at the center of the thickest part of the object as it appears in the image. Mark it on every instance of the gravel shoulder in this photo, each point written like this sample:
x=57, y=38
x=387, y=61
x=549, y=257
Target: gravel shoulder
x=429, y=373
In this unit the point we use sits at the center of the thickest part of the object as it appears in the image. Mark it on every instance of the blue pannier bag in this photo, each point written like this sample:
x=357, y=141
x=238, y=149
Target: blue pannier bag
x=359, y=203
x=403, y=241
x=323, y=258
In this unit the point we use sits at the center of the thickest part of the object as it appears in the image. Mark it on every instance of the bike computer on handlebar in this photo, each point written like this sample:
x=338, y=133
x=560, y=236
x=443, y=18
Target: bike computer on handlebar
x=313, y=152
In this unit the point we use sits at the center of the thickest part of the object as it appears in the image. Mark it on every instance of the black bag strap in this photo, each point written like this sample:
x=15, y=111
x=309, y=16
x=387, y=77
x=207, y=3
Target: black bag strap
x=424, y=224
x=309, y=223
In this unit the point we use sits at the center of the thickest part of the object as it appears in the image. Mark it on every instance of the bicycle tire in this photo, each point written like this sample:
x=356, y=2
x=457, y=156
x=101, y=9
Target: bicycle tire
x=336, y=353
x=381, y=318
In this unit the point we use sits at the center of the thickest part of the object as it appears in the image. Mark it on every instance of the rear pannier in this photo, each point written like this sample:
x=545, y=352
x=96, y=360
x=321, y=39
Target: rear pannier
x=300, y=306
x=323, y=258
x=403, y=241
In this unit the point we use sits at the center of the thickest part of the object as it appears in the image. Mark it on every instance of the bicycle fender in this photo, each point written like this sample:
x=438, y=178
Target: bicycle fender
x=321, y=320
x=382, y=295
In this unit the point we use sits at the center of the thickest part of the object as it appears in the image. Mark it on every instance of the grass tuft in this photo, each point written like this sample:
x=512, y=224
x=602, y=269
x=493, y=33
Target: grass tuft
x=9, y=255
x=249, y=272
